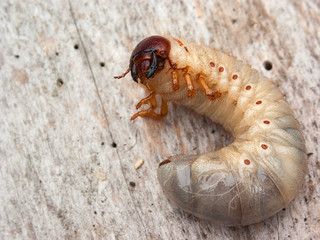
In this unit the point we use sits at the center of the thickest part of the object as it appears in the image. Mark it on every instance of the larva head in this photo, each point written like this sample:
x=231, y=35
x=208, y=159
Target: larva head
x=149, y=57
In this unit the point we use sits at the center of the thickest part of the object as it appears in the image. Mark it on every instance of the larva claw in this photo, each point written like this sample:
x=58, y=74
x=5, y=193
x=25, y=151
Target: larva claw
x=145, y=113
x=150, y=112
x=149, y=99
x=207, y=90
x=215, y=96
x=191, y=93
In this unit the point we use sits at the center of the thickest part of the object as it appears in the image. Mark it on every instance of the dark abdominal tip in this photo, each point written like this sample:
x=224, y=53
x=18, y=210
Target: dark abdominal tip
x=164, y=162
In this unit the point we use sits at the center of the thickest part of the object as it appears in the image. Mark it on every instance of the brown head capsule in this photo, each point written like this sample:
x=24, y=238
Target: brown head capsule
x=148, y=57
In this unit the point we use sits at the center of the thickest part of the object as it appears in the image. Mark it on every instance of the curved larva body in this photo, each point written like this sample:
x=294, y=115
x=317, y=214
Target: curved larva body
x=261, y=171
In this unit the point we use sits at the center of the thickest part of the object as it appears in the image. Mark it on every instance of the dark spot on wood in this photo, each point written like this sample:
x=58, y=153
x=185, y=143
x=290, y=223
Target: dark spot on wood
x=76, y=46
x=311, y=187
x=305, y=199
x=234, y=21
x=132, y=184
x=60, y=214
x=213, y=131
x=318, y=164
x=102, y=143
x=284, y=209
x=315, y=139
x=309, y=154
x=102, y=64
x=59, y=82
x=267, y=65
x=314, y=124
x=204, y=235
x=114, y=145
x=57, y=54
x=16, y=56
x=305, y=219
x=95, y=212
x=185, y=48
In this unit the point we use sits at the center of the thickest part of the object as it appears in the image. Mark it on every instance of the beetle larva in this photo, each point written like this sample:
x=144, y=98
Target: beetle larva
x=261, y=171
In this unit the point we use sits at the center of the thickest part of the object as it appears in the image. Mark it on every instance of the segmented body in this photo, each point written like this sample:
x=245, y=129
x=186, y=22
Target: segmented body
x=262, y=170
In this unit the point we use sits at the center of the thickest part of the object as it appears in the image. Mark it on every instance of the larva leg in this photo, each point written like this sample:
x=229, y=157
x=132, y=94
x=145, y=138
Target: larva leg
x=149, y=99
x=207, y=90
x=175, y=81
x=153, y=105
x=147, y=113
x=190, y=87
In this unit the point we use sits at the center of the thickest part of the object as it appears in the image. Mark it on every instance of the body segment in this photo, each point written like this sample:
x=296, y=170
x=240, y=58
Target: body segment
x=261, y=171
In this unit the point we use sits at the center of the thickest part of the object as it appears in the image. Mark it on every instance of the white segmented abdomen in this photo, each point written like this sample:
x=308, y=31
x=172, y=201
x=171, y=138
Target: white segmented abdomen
x=262, y=170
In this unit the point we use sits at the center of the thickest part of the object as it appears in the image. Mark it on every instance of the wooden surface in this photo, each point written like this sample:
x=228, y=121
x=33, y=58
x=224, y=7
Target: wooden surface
x=68, y=148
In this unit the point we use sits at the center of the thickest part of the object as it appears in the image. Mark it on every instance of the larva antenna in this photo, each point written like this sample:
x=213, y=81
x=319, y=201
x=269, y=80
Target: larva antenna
x=123, y=75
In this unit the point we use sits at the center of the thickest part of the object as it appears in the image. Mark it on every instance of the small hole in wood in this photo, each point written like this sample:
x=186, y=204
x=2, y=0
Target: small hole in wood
x=132, y=184
x=59, y=82
x=267, y=65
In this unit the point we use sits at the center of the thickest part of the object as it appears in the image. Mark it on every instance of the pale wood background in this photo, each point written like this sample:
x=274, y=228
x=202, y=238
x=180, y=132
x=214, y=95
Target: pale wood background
x=67, y=151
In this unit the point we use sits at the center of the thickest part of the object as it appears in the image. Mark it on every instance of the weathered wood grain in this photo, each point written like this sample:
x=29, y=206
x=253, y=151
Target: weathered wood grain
x=68, y=148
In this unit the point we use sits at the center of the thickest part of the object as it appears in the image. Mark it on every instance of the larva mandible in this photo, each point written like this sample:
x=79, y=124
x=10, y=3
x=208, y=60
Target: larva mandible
x=261, y=171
